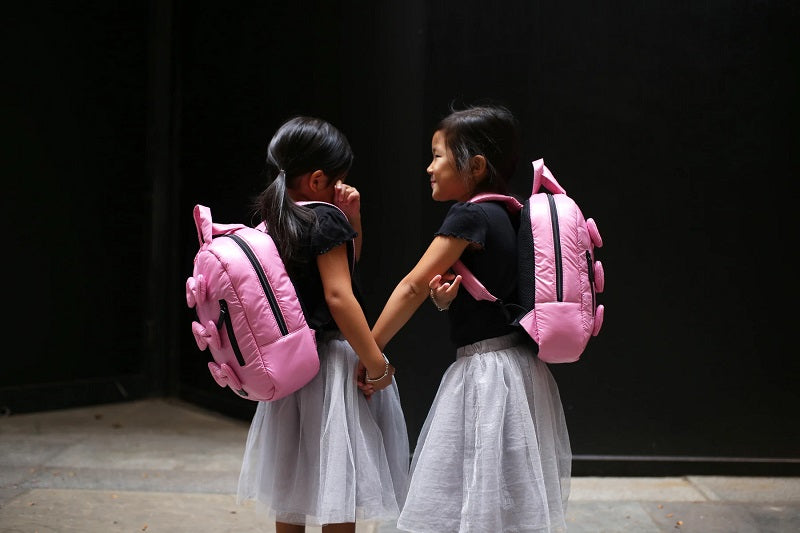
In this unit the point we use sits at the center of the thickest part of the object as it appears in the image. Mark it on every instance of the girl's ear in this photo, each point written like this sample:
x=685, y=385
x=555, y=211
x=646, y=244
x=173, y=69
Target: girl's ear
x=317, y=180
x=477, y=168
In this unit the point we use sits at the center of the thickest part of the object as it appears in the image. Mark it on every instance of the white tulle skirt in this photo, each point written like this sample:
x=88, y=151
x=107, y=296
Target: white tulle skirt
x=325, y=454
x=493, y=454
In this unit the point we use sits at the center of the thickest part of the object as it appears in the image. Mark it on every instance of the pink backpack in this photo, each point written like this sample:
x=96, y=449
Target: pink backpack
x=248, y=312
x=559, y=278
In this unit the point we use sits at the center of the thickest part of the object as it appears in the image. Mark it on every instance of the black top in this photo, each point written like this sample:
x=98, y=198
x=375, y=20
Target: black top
x=492, y=258
x=330, y=230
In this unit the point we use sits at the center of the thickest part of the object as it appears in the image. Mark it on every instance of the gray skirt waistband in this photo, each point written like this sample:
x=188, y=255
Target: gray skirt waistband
x=328, y=335
x=491, y=345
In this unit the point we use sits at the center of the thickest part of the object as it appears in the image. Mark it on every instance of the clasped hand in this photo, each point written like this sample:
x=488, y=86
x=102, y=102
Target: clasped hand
x=371, y=387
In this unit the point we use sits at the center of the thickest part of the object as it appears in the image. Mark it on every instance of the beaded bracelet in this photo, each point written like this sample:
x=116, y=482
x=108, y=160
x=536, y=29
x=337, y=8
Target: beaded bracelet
x=385, y=373
x=437, y=303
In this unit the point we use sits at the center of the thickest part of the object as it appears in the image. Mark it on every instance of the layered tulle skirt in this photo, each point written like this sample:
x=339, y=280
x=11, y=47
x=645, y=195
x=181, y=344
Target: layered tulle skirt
x=325, y=454
x=494, y=453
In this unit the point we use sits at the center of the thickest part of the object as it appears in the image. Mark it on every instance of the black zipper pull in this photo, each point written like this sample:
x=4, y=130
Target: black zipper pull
x=223, y=313
x=225, y=319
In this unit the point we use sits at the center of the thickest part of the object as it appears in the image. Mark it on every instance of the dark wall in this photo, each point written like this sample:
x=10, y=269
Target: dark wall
x=360, y=69
x=673, y=125
x=675, y=128
x=75, y=203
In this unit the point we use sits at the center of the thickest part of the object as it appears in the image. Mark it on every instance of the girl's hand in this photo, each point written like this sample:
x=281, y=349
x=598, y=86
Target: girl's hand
x=361, y=380
x=348, y=199
x=368, y=388
x=444, y=289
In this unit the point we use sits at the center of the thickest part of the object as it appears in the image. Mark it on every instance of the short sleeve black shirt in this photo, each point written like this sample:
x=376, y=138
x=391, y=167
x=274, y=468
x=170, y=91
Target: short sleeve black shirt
x=331, y=229
x=492, y=258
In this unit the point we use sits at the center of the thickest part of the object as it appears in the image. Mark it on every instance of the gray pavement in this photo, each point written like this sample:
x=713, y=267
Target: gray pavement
x=162, y=465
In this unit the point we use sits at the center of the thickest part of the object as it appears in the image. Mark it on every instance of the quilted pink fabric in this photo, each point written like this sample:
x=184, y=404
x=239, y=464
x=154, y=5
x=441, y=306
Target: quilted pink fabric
x=562, y=275
x=248, y=314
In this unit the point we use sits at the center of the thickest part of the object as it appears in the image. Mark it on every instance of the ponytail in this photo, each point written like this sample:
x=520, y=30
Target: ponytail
x=286, y=221
x=301, y=145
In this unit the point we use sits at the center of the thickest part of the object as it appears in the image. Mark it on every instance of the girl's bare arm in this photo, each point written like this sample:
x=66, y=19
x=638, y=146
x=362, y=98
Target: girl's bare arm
x=347, y=313
x=409, y=294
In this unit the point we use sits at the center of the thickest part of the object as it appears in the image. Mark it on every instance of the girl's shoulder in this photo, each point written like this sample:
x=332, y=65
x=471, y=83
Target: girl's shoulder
x=475, y=212
x=329, y=215
x=467, y=221
x=331, y=228
x=464, y=209
x=324, y=207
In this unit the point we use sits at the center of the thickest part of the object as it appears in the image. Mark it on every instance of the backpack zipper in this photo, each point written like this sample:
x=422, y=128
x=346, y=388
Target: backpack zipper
x=557, y=248
x=590, y=270
x=273, y=302
x=225, y=318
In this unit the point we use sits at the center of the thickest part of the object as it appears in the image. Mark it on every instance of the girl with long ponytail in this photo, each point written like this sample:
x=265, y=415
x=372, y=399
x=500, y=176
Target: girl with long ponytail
x=325, y=455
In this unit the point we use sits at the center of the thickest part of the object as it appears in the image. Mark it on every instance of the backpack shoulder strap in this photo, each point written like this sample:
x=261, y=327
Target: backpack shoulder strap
x=472, y=284
x=468, y=279
x=509, y=202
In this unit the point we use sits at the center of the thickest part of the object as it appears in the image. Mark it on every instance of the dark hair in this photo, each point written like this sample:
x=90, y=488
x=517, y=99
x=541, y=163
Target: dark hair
x=488, y=130
x=301, y=145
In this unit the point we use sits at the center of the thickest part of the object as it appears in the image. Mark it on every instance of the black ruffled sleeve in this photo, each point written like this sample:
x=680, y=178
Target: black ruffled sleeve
x=331, y=230
x=466, y=221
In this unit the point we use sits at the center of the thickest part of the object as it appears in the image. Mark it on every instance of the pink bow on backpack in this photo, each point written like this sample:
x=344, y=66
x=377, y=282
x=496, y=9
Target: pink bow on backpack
x=224, y=376
x=206, y=336
x=195, y=290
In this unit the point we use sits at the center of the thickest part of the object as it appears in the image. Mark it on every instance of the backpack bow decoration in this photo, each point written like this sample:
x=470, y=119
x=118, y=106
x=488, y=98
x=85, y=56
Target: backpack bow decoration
x=195, y=290
x=206, y=336
x=225, y=376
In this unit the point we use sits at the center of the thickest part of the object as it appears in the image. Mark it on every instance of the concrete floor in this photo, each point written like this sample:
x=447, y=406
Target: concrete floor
x=167, y=466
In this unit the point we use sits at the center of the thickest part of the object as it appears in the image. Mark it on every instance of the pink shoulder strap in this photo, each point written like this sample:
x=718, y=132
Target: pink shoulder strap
x=471, y=283
x=468, y=279
x=510, y=203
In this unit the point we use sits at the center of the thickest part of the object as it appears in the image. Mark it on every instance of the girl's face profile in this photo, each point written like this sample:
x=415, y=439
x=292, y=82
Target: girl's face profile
x=447, y=183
